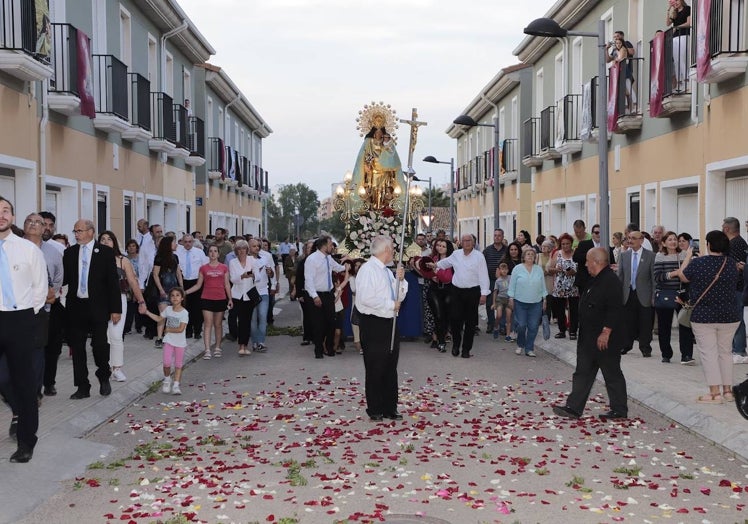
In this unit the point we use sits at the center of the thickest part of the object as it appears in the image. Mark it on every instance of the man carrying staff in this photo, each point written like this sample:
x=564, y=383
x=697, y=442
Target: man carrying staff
x=378, y=301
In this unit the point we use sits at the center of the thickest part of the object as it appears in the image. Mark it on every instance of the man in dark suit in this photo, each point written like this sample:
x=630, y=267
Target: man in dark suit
x=636, y=271
x=582, y=277
x=93, y=299
x=602, y=334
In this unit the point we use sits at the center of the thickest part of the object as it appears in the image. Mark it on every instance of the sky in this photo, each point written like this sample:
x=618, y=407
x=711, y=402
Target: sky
x=309, y=66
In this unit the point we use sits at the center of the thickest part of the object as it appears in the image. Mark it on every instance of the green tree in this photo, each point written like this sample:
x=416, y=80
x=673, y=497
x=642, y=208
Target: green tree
x=333, y=226
x=282, y=213
x=438, y=198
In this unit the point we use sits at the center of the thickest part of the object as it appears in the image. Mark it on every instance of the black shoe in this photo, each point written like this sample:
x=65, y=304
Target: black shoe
x=376, y=418
x=319, y=356
x=79, y=394
x=489, y=329
x=393, y=416
x=646, y=355
x=455, y=351
x=572, y=336
x=50, y=391
x=138, y=330
x=465, y=355
x=562, y=334
x=442, y=348
x=625, y=350
x=105, y=389
x=612, y=415
x=230, y=337
x=306, y=342
x=563, y=411
x=198, y=336
x=13, y=429
x=741, y=400
x=22, y=455
x=502, y=332
x=434, y=344
x=665, y=360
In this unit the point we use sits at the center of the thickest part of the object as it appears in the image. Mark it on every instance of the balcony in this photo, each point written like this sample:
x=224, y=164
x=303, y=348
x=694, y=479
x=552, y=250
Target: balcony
x=669, y=86
x=162, y=117
x=531, y=143
x=195, y=142
x=110, y=94
x=548, y=134
x=22, y=54
x=181, y=132
x=63, y=86
x=726, y=46
x=140, y=110
x=568, y=139
x=216, y=158
x=627, y=104
x=509, y=166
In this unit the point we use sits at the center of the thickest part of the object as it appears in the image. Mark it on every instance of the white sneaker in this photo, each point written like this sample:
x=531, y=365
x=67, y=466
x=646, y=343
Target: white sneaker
x=175, y=389
x=739, y=359
x=118, y=375
x=531, y=354
x=518, y=351
x=166, y=386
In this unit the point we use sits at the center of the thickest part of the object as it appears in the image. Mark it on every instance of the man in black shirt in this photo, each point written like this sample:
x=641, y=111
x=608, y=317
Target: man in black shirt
x=494, y=254
x=738, y=252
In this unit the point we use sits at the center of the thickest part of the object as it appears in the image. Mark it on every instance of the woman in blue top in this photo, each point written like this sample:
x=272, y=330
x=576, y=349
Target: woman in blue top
x=714, y=319
x=527, y=294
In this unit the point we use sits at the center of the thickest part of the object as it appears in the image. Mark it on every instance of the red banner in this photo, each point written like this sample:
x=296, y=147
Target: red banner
x=703, y=56
x=85, y=76
x=613, y=75
x=657, y=74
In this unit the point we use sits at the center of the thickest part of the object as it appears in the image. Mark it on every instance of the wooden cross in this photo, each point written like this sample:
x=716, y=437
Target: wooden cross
x=414, y=125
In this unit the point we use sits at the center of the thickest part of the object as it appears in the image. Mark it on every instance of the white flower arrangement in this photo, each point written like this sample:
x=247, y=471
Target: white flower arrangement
x=371, y=224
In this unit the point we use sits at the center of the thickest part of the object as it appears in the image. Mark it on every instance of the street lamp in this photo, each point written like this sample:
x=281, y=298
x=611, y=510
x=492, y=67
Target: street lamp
x=549, y=28
x=468, y=121
x=416, y=179
x=431, y=160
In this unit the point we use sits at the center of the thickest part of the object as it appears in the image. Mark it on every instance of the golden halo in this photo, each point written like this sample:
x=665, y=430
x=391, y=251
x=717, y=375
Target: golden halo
x=377, y=114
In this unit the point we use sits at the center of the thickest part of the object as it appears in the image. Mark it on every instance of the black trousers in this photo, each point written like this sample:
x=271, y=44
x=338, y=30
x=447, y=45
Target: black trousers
x=243, y=312
x=132, y=312
x=639, y=319
x=685, y=335
x=16, y=327
x=558, y=306
x=53, y=349
x=464, y=316
x=306, y=317
x=589, y=361
x=380, y=364
x=195, y=324
x=79, y=326
x=323, y=322
x=439, y=300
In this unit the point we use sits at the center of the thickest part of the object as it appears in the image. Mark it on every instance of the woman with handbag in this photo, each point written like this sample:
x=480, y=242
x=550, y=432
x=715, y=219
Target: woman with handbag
x=667, y=288
x=243, y=280
x=714, y=318
x=166, y=275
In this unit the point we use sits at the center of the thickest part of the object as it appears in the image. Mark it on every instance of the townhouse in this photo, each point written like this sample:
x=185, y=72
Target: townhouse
x=676, y=152
x=111, y=112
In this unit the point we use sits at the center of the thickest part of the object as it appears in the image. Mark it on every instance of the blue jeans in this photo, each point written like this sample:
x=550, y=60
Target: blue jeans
x=527, y=316
x=260, y=320
x=738, y=340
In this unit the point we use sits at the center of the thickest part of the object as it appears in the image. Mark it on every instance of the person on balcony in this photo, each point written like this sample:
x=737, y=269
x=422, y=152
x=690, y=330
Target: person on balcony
x=622, y=50
x=679, y=17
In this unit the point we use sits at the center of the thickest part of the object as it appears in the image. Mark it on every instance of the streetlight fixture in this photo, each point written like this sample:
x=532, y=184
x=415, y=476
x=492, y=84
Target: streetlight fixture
x=468, y=121
x=549, y=28
x=416, y=179
x=431, y=160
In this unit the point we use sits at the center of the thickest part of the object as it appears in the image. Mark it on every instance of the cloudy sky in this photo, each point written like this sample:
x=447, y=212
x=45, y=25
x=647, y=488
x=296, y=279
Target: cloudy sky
x=309, y=66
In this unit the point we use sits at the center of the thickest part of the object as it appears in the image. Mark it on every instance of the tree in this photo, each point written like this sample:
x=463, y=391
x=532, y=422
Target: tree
x=438, y=198
x=333, y=226
x=282, y=213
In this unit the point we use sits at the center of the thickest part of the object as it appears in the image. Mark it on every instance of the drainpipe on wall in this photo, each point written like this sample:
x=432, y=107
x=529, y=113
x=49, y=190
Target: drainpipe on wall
x=164, y=38
x=264, y=212
x=497, y=184
x=43, y=146
x=226, y=130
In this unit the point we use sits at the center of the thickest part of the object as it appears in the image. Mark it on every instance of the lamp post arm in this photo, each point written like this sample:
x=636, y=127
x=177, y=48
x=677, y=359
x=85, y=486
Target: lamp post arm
x=582, y=33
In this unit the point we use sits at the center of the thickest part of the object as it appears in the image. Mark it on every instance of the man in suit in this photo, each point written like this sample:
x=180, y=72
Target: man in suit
x=93, y=299
x=636, y=271
x=580, y=257
x=602, y=335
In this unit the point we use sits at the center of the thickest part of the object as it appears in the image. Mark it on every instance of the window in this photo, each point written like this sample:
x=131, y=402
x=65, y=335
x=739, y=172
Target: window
x=128, y=218
x=101, y=211
x=220, y=123
x=209, y=118
x=169, y=75
x=187, y=87
x=153, y=62
x=125, y=36
x=538, y=92
x=98, y=38
x=559, y=78
x=576, y=67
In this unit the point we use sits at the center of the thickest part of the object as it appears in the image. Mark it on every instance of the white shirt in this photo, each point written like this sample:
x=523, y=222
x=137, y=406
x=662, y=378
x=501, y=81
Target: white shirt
x=470, y=270
x=242, y=285
x=145, y=260
x=316, y=276
x=260, y=265
x=57, y=245
x=269, y=261
x=28, y=272
x=89, y=253
x=173, y=320
x=197, y=259
x=375, y=287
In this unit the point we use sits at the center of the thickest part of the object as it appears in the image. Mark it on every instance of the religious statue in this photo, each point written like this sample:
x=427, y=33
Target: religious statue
x=378, y=172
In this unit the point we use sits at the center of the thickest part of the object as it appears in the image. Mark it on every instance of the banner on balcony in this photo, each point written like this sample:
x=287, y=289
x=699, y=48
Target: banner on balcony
x=256, y=182
x=221, y=158
x=43, y=47
x=502, y=157
x=657, y=75
x=585, y=131
x=238, y=168
x=85, y=75
x=560, y=125
x=230, y=164
x=703, y=56
x=614, y=74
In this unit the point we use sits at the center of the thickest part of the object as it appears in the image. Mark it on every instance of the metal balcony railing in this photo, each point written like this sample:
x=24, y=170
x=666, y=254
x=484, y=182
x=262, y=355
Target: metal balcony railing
x=628, y=102
x=64, y=59
x=110, y=86
x=245, y=170
x=215, y=147
x=676, y=61
x=727, y=21
x=162, y=117
x=572, y=116
x=18, y=30
x=509, y=160
x=531, y=137
x=548, y=128
x=140, y=104
x=181, y=131
x=196, y=136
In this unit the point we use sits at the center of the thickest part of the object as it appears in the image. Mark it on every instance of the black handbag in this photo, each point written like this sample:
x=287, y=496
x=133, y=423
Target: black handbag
x=253, y=296
x=665, y=298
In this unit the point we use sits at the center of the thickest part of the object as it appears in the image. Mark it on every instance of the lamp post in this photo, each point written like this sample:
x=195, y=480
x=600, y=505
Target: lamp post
x=431, y=160
x=549, y=28
x=416, y=179
x=468, y=121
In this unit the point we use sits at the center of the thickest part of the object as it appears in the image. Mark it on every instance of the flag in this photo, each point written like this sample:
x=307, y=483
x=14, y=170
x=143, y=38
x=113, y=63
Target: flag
x=560, y=124
x=85, y=75
x=656, y=74
x=238, y=168
x=703, y=35
x=221, y=158
x=230, y=164
x=585, y=131
x=613, y=77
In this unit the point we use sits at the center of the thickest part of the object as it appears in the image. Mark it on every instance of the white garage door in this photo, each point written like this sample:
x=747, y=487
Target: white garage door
x=8, y=187
x=688, y=221
x=736, y=198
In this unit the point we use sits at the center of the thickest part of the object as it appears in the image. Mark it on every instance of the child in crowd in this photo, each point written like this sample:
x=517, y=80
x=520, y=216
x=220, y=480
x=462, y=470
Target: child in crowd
x=176, y=319
x=501, y=301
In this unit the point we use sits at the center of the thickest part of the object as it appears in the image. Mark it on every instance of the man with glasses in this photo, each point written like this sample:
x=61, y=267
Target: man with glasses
x=93, y=299
x=580, y=256
x=636, y=271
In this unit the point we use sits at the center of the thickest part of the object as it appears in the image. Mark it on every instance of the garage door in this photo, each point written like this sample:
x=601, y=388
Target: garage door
x=688, y=221
x=736, y=197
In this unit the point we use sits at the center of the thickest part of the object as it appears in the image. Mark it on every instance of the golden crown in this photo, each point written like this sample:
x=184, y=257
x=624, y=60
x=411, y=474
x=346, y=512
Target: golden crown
x=377, y=114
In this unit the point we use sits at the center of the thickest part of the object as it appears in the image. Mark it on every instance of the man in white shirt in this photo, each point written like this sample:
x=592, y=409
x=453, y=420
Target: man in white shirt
x=318, y=284
x=191, y=258
x=378, y=301
x=470, y=287
x=23, y=292
x=143, y=235
x=146, y=258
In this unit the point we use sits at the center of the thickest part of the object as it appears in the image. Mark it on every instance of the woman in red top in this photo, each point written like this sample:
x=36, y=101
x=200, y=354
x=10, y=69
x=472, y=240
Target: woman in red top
x=439, y=291
x=215, y=297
